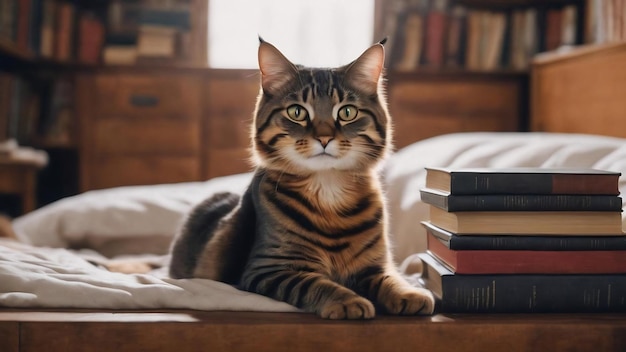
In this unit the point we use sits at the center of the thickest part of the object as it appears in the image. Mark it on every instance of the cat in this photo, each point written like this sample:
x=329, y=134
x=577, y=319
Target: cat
x=311, y=228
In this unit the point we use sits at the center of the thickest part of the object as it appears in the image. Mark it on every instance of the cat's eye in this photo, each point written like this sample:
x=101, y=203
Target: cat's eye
x=297, y=113
x=347, y=113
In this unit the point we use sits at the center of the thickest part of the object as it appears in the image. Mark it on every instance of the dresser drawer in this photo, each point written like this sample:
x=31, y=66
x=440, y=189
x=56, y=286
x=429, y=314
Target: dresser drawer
x=158, y=135
x=121, y=171
x=144, y=96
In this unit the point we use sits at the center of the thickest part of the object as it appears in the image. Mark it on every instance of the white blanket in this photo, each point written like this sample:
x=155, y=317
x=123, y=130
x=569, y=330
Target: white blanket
x=52, y=277
x=43, y=273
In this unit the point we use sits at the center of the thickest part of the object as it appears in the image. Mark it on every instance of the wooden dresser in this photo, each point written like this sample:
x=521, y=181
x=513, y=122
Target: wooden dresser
x=149, y=126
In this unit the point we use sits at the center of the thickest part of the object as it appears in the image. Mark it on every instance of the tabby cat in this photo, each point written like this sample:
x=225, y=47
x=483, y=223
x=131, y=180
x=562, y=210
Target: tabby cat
x=310, y=230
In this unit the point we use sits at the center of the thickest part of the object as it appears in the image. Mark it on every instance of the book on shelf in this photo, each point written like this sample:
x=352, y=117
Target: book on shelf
x=5, y=104
x=528, y=222
x=519, y=202
x=563, y=242
x=435, y=33
x=605, y=21
x=522, y=293
x=412, y=46
x=8, y=20
x=64, y=31
x=91, y=33
x=474, y=39
x=554, y=29
x=494, y=40
x=456, y=37
x=120, y=54
x=517, y=52
x=527, y=261
x=25, y=12
x=47, y=28
x=569, y=25
x=148, y=32
x=523, y=181
x=175, y=17
x=157, y=41
x=50, y=29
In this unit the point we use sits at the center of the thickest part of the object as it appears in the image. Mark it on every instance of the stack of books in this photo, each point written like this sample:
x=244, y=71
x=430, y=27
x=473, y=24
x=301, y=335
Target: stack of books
x=524, y=240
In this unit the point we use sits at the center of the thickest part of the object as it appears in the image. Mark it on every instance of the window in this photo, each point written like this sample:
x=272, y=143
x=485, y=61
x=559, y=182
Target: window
x=318, y=33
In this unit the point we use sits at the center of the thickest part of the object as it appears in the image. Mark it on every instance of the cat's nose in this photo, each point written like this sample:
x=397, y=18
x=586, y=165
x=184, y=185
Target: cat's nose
x=324, y=140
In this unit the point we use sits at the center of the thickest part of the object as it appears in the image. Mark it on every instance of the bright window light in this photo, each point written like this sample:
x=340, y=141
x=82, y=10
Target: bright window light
x=317, y=33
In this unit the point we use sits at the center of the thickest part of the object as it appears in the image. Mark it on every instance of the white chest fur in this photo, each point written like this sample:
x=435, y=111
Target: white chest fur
x=335, y=190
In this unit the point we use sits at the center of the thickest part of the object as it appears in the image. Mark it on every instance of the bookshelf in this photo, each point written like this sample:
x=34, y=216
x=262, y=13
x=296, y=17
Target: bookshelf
x=47, y=48
x=463, y=65
x=479, y=35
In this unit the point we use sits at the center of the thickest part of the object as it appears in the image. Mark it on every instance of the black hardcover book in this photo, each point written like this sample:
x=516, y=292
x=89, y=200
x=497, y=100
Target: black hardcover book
x=520, y=242
x=523, y=293
x=523, y=181
x=520, y=202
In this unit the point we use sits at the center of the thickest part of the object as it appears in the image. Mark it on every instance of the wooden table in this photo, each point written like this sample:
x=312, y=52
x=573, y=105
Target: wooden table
x=20, y=177
x=25, y=330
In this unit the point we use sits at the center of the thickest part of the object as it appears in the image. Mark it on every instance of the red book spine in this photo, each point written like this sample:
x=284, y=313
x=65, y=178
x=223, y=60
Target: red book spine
x=23, y=23
x=91, y=39
x=435, y=38
x=553, y=29
x=528, y=262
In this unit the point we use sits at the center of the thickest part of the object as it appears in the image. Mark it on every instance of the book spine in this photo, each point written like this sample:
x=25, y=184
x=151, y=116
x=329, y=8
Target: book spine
x=531, y=203
x=533, y=183
x=534, y=294
x=455, y=43
x=23, y=23
x=536, y=243
x=436, y=25
x=413, y=42
x=527, y=261
x=526, y=293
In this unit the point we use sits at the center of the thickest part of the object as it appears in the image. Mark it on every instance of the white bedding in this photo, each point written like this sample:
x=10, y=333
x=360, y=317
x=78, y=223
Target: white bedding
x=43, y=272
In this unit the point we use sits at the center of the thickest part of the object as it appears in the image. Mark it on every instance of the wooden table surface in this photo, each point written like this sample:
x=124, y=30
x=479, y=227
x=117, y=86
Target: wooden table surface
x=80, y=330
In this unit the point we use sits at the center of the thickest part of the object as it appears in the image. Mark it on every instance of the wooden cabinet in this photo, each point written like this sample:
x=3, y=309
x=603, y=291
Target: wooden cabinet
x=581, y=91
x=139, y=127
x=425, y=105
x=173, y=125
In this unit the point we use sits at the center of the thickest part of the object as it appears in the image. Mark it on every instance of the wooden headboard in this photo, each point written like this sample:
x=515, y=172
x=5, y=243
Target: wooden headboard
x=580, y=91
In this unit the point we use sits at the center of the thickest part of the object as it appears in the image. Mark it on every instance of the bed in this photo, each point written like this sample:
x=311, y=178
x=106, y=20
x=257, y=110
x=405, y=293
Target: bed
x=59, y=264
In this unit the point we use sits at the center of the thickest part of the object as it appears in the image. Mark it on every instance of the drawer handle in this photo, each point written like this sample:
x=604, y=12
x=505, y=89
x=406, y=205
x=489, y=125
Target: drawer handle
x=144, y=100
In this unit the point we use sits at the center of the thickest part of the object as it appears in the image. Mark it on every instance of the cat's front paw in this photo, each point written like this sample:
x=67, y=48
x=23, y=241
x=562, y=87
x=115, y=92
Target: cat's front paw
x=351, y=308
x=409, y=302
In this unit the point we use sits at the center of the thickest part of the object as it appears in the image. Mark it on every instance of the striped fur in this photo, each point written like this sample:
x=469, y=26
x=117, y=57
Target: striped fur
x=311, y=228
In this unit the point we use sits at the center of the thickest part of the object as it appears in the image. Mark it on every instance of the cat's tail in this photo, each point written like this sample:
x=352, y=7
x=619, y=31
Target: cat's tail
x=198, y=231
x=6, y=228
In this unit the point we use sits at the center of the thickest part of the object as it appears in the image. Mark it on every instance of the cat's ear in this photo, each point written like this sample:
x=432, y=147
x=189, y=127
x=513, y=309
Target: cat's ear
x=365, y=71
x=276, y=70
